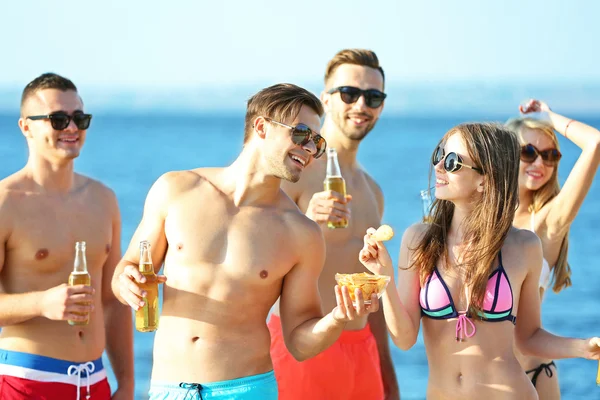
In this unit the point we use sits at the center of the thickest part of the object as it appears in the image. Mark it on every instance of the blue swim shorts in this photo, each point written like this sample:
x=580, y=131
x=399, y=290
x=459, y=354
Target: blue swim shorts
x=256, y=387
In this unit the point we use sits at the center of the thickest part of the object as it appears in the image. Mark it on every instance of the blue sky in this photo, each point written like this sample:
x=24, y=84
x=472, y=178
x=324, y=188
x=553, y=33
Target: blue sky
x=178, y=45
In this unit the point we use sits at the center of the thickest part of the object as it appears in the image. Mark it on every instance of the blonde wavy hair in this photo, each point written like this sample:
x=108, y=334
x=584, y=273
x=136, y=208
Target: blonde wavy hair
x=561, y=273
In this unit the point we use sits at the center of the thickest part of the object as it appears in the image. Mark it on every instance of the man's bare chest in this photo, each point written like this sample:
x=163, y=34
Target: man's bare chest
x=44, y=233
x=249, y=244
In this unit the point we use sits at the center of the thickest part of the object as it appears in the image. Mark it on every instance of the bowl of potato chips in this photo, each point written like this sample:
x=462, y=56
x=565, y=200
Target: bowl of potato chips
x=367, y=283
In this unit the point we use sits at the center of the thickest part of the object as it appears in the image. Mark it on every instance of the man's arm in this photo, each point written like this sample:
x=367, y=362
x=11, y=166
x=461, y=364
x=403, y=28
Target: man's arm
x=306, y=331
x=379, y=327
x=300, y=302
x=152, y=229
x=117, y=317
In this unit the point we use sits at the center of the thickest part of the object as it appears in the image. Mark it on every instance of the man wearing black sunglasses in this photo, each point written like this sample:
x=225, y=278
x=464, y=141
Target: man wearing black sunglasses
x=44, y=209
x=233, y=243
x=353, y=100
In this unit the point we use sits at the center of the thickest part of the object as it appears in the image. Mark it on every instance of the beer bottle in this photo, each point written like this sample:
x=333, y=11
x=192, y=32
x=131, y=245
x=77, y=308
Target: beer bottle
x=334, y=182
x=146, y=317
x=426, y=202
x=80, y=276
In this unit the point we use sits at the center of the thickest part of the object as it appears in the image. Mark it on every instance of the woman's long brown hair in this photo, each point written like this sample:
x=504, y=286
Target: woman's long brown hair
x=495, y=150
x=561, y=273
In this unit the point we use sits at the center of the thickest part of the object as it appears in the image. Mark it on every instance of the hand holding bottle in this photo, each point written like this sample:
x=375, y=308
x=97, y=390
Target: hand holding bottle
x=130, y=288
x=139, y=288
x=64, y=302
x=329, y=207
x=80, y=276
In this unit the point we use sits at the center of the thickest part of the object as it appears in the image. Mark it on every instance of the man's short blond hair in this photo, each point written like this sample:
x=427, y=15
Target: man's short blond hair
x=365, y=58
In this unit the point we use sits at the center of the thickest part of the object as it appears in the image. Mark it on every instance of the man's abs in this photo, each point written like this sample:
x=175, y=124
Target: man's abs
x=56, y=339
x=190, y=350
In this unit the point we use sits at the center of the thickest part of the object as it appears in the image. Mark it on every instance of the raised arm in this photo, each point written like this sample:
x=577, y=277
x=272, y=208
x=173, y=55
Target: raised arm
x=306, y=331
x=401, y=305
x=531, y=339
x=564, y=207
x=117, y=317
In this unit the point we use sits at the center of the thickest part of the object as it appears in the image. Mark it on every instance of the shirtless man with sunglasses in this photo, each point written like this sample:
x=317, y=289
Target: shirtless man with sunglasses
x=358, y=365
x=45, y=208
x=232, y=243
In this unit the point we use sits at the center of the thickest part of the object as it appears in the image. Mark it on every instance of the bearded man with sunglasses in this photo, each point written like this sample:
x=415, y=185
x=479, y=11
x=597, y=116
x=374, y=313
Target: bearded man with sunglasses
x=232, y=243
x=44, y=209
x=358, y=365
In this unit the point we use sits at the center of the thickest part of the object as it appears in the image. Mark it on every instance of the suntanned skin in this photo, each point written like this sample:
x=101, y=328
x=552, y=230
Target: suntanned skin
x=343, y=245
x=363, y=207
x=555, y=217
x=44, y=209
x=483, y=366
x=232, y=242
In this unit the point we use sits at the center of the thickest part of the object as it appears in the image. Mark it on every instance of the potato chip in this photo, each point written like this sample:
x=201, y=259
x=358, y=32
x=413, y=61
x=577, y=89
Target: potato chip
x=384, y=232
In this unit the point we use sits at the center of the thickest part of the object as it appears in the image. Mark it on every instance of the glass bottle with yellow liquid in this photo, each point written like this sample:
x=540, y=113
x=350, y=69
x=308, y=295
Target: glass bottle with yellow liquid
x=426, y=202
x=146, y=318
x=335, y=182
x=80, y=276
x=598, y=376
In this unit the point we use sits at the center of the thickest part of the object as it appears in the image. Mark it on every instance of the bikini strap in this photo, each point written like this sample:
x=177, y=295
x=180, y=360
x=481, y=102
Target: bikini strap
x=500, y=258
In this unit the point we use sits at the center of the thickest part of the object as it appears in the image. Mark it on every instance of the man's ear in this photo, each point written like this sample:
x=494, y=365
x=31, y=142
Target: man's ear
x=24, y=126
x=260, y=125
x=325, y=100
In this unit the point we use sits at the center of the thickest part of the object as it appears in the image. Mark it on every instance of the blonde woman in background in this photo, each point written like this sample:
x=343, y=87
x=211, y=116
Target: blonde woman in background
x=549, y=211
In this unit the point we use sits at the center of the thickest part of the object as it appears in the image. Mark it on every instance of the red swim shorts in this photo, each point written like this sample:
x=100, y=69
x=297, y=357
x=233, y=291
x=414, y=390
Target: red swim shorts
x=347, y=370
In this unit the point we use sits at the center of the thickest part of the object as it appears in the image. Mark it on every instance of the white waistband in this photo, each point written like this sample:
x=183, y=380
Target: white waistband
x=43, y=376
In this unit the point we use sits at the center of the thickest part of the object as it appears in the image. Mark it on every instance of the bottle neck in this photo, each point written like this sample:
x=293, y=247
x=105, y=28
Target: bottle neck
x=145, y=264
x=80, y=264
x=333, y=166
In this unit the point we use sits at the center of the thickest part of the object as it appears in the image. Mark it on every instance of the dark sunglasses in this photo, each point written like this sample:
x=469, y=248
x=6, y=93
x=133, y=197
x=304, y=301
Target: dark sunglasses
x=350, y=95
x=530, y=153
x=302, y=134
x=60, y=120
x=452, y=161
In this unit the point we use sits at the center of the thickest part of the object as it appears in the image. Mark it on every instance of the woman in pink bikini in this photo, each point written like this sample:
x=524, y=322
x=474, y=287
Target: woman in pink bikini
x=549, y=211
x=470, y=276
